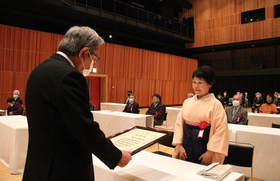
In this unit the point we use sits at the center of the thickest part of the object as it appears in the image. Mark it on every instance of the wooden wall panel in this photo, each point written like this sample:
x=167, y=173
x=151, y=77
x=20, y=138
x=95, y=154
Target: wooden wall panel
x=241, y=59
x=219, y=21
x=142, y=71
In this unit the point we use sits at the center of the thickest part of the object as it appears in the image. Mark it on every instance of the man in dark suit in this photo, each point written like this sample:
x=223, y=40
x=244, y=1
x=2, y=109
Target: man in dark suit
x=62, y=133
x=237, y=114
x=132, y=106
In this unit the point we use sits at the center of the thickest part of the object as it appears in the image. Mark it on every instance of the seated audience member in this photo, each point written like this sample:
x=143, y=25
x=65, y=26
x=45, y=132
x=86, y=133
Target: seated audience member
x=257, y=102
x=225, y=99
x=190, y=95
x=275, y=97
x=128, y=94
x=220, y=97
x=14, y=107
x=131, y=106
x=158, y=109
x=246, y=99
x=16, y=96
x=237, y=114
x=268, y=107
x=242, y=98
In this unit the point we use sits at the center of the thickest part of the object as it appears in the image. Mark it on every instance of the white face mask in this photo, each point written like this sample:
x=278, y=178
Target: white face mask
x=86, y=72
x=15, y=96
x=235, y=103
x=131, y=100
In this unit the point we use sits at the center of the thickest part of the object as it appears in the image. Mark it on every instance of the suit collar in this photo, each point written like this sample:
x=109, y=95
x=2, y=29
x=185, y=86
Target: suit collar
x=66, y=57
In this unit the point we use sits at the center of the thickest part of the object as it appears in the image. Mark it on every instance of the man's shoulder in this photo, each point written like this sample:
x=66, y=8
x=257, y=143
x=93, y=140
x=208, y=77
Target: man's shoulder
x=229, y=109
x=56, y=64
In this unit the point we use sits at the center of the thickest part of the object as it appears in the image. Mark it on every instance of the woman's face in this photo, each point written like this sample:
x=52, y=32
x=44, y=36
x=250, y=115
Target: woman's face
x=200, y=87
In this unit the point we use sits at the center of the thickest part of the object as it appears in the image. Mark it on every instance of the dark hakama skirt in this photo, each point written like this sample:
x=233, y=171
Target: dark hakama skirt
x=193, y=145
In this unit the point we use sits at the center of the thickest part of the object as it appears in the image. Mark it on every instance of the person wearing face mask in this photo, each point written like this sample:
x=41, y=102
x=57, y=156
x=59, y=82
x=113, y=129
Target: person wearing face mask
x=158, y=109
x=269, y=107
x=62, y=132
x=257, y=102
x=131, y=106
x=128, y=96
x=16, y=96
x=14, y=107
x=237, y=114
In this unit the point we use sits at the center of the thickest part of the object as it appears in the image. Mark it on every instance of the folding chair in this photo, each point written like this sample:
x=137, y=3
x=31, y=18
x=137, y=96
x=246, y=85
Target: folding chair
x=240, y=154
x=166, y=141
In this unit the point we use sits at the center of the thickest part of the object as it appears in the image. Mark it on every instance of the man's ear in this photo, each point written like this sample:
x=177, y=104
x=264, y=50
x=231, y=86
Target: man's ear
x=83, y=53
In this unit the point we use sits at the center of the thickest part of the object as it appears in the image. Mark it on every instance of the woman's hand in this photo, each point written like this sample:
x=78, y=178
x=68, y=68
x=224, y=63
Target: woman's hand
x=206, y=158
x=180, y=152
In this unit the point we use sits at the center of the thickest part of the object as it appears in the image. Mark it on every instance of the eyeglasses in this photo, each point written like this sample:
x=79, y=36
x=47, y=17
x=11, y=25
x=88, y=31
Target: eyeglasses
x=96, y=59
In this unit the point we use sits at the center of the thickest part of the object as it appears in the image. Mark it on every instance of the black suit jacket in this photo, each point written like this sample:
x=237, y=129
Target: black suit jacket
x=131, y=108
x=158, y=111
x=62, y=133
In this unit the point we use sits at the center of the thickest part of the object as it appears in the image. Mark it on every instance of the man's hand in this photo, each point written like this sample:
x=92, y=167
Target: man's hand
x=125, y=159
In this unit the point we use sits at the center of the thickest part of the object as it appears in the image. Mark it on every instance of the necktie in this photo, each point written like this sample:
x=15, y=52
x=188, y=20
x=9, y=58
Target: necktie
x=234, y=112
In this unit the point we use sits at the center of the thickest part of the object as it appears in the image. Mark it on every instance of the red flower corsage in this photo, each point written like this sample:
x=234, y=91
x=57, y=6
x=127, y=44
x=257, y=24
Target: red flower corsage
x=131, y=107
x=238, y=117
x=202, y=126
x=156, y=112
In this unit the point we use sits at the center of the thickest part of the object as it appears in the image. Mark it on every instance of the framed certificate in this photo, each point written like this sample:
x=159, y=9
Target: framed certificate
x=137, y=138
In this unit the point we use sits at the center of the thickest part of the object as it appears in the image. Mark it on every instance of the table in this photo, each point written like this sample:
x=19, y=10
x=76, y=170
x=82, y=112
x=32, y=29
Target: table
x=112, y=106
x=264, y=120
x=114, y=122
x=171, y=117
x=3, y=112
x=267, y=145
x=150, y=167
x=13, y=142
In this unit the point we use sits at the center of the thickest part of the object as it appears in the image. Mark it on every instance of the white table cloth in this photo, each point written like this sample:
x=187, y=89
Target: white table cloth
x=171, y=117
x=267, y=147
x=112, y=106
x=13, y=142
x=153, y=167
x=114, y=122
x=264, y=120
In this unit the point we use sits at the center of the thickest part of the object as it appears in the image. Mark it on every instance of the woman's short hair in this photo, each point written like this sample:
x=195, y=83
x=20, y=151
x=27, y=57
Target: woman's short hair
x=205, y=72
x=77, y=38
x=157, y=95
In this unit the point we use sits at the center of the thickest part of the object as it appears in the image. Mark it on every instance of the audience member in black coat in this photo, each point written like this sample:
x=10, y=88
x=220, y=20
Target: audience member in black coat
x=158, y=109
x=257, y=102
x=132, y=106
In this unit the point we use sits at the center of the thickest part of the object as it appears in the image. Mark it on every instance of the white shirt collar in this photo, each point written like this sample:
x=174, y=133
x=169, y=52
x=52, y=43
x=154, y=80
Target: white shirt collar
x=65, y=56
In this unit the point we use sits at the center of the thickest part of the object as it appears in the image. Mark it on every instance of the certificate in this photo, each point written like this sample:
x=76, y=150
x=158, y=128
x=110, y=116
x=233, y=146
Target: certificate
x=137, y=138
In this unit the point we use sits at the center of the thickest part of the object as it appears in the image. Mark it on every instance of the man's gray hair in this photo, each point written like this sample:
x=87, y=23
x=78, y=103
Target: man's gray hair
x=77, y=38
x=17, y=91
